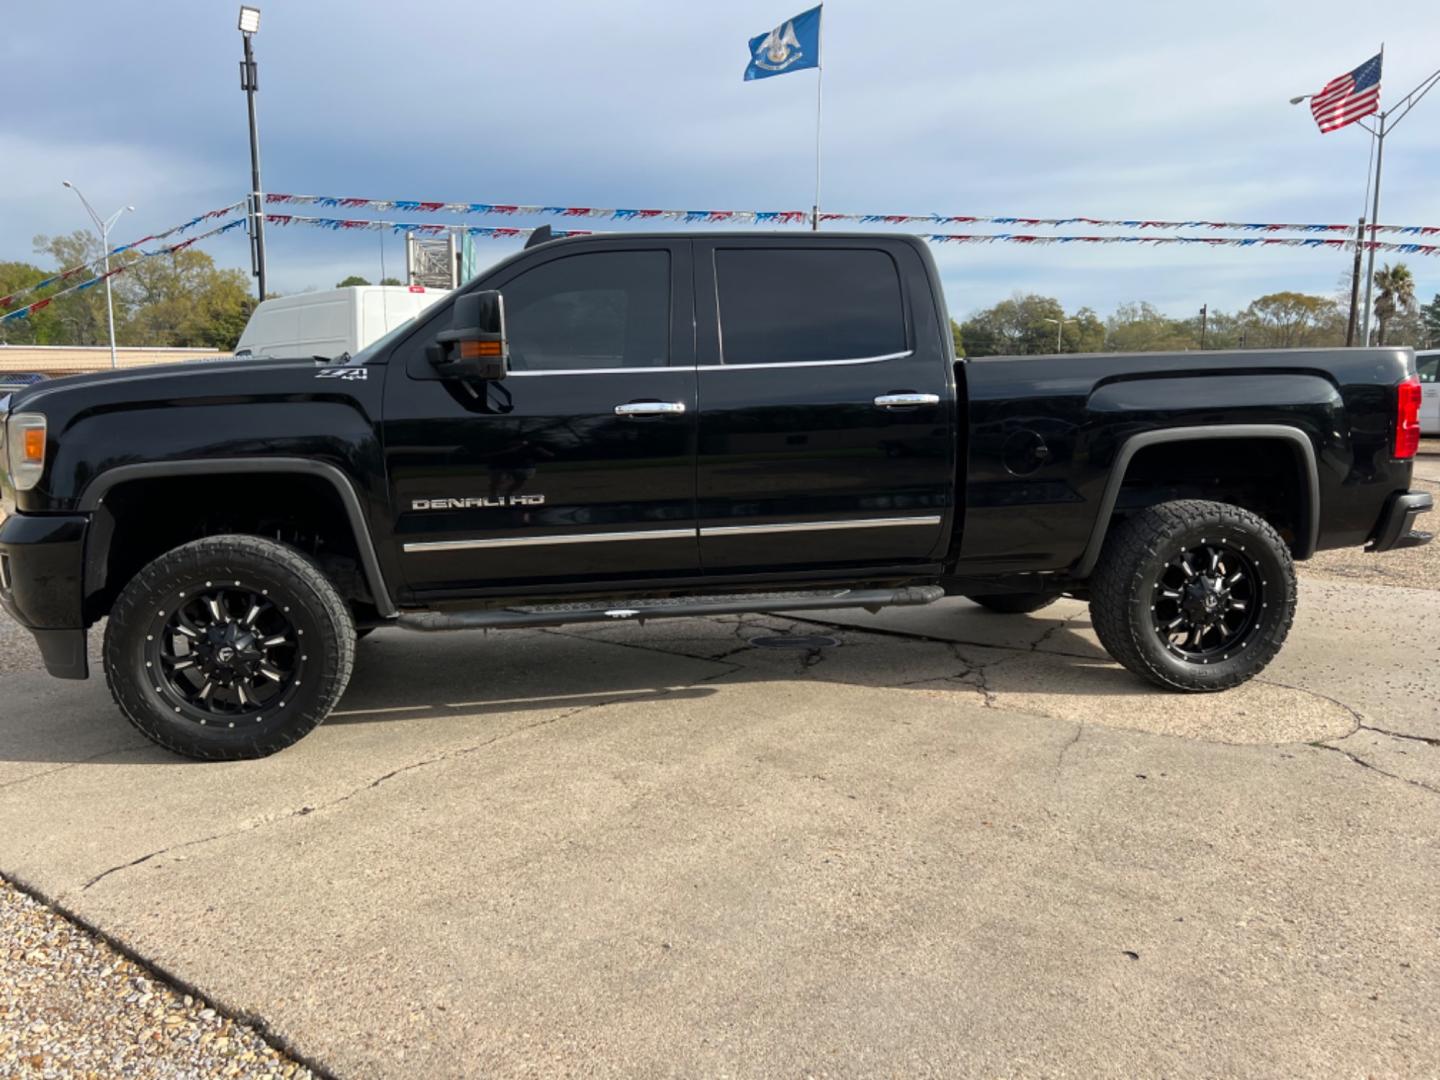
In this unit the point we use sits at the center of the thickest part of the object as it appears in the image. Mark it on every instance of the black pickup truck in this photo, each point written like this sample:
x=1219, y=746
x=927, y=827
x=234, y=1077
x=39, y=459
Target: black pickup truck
x=629, y=427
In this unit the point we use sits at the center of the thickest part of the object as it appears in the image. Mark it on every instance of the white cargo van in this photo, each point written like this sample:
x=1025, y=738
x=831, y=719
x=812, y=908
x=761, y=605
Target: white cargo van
x=331, y=322
x=1428, y=364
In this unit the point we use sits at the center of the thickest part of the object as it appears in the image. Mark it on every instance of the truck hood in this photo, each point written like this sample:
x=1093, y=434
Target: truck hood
x=187, y=379
x=187, y=369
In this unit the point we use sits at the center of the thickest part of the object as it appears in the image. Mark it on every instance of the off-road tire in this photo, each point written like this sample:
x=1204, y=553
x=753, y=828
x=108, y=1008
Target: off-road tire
x=1014, y=603
x=1127, y=579
x=324, y=635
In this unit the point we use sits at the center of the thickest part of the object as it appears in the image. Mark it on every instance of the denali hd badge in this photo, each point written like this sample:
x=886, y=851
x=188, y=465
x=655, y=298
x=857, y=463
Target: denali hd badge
x=477, y=502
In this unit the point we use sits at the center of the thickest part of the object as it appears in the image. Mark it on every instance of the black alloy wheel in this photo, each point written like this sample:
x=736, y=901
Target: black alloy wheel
x=1207, y=601
x=229, y=647
x=1193, y=595
x=225, y=653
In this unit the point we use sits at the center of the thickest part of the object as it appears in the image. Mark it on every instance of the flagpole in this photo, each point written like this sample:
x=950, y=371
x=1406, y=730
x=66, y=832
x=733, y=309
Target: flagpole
x=819, y=83
x=1374, y=218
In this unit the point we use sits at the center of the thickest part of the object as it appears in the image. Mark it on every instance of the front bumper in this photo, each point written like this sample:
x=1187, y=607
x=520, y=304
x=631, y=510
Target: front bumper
x=1397, y=523
x=42, y=569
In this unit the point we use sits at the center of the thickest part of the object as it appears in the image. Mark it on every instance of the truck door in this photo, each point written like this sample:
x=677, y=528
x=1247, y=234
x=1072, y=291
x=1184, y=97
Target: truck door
x=580, y=464
x=827, y=406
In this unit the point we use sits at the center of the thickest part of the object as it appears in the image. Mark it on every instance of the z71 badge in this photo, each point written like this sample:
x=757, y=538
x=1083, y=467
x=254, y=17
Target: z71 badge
x=477, y=502
x=349, y=374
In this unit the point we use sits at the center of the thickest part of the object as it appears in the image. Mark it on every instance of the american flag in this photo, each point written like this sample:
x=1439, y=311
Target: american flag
x=1349, y=97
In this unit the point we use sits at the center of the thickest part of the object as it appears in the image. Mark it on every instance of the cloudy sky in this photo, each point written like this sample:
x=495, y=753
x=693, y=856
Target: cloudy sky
x=1041, y=108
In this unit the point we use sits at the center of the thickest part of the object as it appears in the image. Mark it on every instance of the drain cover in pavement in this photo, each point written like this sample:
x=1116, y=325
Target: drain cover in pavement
x=787, y=641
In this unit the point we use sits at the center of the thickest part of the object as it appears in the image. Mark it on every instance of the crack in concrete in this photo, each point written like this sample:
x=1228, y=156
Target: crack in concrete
x=1431, y=788
x=1426, y=739
x=1063, y=624
x=73, y=764
x=907, y=635
x=1355, y=715
x=305, y=811
x=1065, y=750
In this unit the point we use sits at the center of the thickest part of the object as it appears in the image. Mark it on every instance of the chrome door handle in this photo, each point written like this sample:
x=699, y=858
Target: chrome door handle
x=906, y=401
x=650, y=408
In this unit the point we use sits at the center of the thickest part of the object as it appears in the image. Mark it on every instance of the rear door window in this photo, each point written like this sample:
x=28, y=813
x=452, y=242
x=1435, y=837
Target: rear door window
x=808, y=305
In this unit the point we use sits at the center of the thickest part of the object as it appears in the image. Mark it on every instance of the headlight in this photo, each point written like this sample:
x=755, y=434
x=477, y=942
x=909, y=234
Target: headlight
x=25, y=443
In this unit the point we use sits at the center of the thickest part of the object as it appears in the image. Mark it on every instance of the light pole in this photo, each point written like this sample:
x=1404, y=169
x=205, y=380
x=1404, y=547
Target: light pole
x=104, y=226
x=249, y=26
x=1059, y=329
x=1386, y=123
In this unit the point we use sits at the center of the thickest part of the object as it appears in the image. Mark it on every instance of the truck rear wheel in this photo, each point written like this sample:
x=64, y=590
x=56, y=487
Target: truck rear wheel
x=228, y=647
x=1015, y=603
x=1193, y=595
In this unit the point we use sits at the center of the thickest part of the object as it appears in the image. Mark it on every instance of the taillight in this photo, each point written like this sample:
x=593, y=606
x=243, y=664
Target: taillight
x=1407, y=418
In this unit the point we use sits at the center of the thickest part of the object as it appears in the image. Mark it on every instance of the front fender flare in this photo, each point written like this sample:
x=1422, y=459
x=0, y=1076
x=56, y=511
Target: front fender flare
x=95, y=492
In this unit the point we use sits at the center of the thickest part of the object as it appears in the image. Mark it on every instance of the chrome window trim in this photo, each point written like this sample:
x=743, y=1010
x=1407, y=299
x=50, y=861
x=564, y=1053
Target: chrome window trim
x=715, y=367
x=809, y=363
x=819, y=526
x=670, y=534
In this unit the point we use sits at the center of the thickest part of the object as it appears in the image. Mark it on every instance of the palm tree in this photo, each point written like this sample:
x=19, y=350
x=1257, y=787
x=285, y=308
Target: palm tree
x=1397, y=293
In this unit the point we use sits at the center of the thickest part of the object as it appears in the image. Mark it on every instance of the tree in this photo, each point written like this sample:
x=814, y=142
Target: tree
x=1430, y=316
x=353, y=279
x=79, y=319
x=1288, y=320
x=1085, y=332
x=182, y=300
x=1139, y=327
x=959, y=338
x=37, y=329
x=391, y=281
x=1397, y=294
x=1014, y=327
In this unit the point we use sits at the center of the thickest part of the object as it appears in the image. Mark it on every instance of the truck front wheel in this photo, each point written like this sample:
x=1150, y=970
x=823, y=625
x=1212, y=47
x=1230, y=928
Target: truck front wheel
x=228, y=647
x=1193, y=595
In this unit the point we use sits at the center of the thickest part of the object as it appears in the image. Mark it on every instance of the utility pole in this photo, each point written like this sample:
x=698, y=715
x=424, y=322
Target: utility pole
x=1204, y=321
x=249, y=25
x=1355, y=284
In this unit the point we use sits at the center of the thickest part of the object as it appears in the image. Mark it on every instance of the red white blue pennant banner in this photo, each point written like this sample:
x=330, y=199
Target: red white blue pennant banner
x=501, y=233
x=41, y=305
x=1328, y=243
x=801, y=217
x=66, y=275
x=424, y=228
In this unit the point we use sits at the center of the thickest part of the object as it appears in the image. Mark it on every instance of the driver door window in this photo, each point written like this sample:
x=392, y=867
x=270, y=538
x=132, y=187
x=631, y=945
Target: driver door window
x=601, y=310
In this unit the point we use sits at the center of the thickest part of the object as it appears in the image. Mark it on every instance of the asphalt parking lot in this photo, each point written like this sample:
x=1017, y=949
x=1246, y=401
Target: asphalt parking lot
x=949, y=843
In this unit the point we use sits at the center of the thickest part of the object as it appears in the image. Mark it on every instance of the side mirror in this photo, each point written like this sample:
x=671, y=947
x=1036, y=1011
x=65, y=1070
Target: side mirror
x=474, y=348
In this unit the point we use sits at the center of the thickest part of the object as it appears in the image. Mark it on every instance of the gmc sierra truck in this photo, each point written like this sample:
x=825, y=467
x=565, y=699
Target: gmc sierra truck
x=628, y=427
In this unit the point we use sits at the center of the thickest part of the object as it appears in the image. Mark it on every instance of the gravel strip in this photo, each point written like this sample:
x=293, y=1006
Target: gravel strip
x=71, y=1006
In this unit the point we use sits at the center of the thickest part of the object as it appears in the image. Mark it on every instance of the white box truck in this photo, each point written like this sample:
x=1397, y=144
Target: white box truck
x=331, y=322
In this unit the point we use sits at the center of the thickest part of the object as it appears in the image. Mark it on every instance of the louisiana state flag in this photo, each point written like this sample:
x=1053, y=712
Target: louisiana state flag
x=791, y=46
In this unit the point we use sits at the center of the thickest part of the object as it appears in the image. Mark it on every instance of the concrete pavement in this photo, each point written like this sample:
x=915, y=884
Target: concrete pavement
x=955, y=843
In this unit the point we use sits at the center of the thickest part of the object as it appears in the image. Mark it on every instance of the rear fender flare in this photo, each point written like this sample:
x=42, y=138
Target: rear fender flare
x=95, y=492
x=1297, y=440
